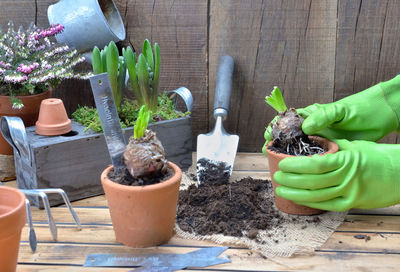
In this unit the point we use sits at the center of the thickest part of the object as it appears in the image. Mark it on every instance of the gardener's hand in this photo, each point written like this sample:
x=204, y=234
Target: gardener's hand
x=367, y=115
x=361, y=175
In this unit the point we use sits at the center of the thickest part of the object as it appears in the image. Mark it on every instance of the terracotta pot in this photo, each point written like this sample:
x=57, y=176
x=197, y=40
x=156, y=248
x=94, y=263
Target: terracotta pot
x=53, y=119
x=143, y=216
x=274, y=158
x=12, y=220
x=29, y=113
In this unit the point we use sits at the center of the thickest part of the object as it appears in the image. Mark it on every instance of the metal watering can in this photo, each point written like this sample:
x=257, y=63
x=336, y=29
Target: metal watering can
x=87, y=23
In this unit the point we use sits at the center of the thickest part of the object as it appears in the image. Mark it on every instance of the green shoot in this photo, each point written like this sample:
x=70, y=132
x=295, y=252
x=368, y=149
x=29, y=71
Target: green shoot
x=108, y=60
x=144, y=73
x=96, y=61
x=276, y=100
x=141, y=122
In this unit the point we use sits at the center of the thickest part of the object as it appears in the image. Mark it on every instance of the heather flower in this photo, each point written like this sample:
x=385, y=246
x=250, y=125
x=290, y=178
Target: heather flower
x=31, y=61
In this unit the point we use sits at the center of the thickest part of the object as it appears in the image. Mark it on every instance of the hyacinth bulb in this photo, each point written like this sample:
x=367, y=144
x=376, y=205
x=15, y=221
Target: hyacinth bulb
x=145, y=156
x=287, y=128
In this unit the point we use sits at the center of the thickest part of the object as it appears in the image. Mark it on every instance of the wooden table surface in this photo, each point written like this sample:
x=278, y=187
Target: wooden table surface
x=341, y=252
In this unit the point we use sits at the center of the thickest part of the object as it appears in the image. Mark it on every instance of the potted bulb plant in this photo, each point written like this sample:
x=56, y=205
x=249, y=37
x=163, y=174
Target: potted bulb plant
x=143, y=200
x=143, y=82
x=31, y=65
x=174, y=129
x=288, y=139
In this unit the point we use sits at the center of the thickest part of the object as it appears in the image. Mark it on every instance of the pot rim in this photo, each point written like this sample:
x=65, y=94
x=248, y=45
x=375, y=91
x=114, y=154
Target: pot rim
x=14, y=208
x=29, y=95
x=177, y=176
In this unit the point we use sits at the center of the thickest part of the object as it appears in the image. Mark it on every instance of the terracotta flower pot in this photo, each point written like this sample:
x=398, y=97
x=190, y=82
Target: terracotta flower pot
x=12, y=220
x=143, y=216
x=29, y=113
x=274, y=158
x=53, y=119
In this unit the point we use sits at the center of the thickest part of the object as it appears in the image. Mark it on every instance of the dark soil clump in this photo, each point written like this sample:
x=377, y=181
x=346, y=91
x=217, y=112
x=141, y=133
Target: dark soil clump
x=227, y=208
x=236, y=209
x=303, y=146
x=213, y=172
x=125, y=178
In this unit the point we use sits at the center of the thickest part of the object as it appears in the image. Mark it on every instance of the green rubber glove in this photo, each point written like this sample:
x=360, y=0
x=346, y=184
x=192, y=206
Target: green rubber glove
x=361, y=175
x=367, y=115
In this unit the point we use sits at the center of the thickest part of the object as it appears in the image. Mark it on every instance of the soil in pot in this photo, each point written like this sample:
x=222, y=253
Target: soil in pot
x=241, y=208
x=125, y=178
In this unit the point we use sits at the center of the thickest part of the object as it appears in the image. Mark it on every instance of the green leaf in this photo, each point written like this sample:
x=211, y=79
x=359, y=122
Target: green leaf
x=121, y=79
x=156, y=72
x=112, y=57
x=130, y=60
x=96, y=61
x=103, y=55
x=276, y=100
x=141, y=122
x=148, y=53
x=143, y=79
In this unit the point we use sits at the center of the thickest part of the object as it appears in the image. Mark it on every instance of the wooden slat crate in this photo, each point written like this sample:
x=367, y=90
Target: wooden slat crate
x=75, y=163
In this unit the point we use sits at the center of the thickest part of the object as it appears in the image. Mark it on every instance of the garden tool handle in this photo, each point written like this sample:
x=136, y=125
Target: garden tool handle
x=223, y=86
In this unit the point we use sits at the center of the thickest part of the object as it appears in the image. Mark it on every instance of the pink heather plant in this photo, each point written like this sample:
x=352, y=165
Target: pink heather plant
x=31, y=63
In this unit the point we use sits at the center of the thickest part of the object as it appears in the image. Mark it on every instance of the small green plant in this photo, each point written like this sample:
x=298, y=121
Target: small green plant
x=286, y=128
x=144, y=73
x=144, y=155
x=276, y=100
x=108, y=60
x=287, y=134
x=141, y=122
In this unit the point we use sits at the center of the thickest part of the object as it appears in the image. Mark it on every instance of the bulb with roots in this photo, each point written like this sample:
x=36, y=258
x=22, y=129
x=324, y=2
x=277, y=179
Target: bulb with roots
x=287, y=129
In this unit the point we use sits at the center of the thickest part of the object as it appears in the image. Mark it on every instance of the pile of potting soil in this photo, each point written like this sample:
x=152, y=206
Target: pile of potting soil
x=241, y=208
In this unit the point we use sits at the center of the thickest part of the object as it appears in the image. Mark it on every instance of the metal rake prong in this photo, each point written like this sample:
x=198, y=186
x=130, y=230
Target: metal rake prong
x=46, y=204
x=66, y=201
x=31, y=230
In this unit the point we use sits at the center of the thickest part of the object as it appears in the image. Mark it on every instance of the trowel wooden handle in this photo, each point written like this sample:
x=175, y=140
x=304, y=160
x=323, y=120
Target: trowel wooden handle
x=223, y=86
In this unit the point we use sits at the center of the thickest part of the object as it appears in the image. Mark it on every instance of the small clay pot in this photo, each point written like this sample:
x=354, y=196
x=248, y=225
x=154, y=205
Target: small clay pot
x=274, y=158
x=53, y=119
x=143, y=216
x=29, y=113
x=12, y=220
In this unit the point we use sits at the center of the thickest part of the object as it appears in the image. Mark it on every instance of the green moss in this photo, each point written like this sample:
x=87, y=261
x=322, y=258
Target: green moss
x=128, y=113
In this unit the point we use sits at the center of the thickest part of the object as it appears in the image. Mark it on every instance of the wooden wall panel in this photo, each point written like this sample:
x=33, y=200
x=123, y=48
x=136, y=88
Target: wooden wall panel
x=367, y=41
x=315, y=50
x=290, y=44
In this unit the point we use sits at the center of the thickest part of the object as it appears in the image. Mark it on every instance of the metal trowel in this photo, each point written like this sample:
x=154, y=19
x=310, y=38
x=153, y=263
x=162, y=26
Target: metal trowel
x=216, y=150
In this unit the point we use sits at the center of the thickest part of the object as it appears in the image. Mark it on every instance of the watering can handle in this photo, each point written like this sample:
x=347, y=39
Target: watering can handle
x=14, y=132
x=186, y=95
x=223, y=86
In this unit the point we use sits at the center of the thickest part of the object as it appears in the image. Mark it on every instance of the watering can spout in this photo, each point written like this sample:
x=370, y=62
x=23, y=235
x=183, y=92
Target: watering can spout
x=87, y=23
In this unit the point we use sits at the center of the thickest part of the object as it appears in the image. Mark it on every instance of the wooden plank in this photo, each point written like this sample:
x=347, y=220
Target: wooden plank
x=359, y=43
x=63, y=268
x=180, y=28
x=328, y=261
x=286, y=43
x=21, y=12
x=383, y=238
x=367, y=40
x=370, y=223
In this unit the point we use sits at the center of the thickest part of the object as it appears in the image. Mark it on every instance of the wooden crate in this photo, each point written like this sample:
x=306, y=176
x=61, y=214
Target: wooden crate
x=74, y=163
